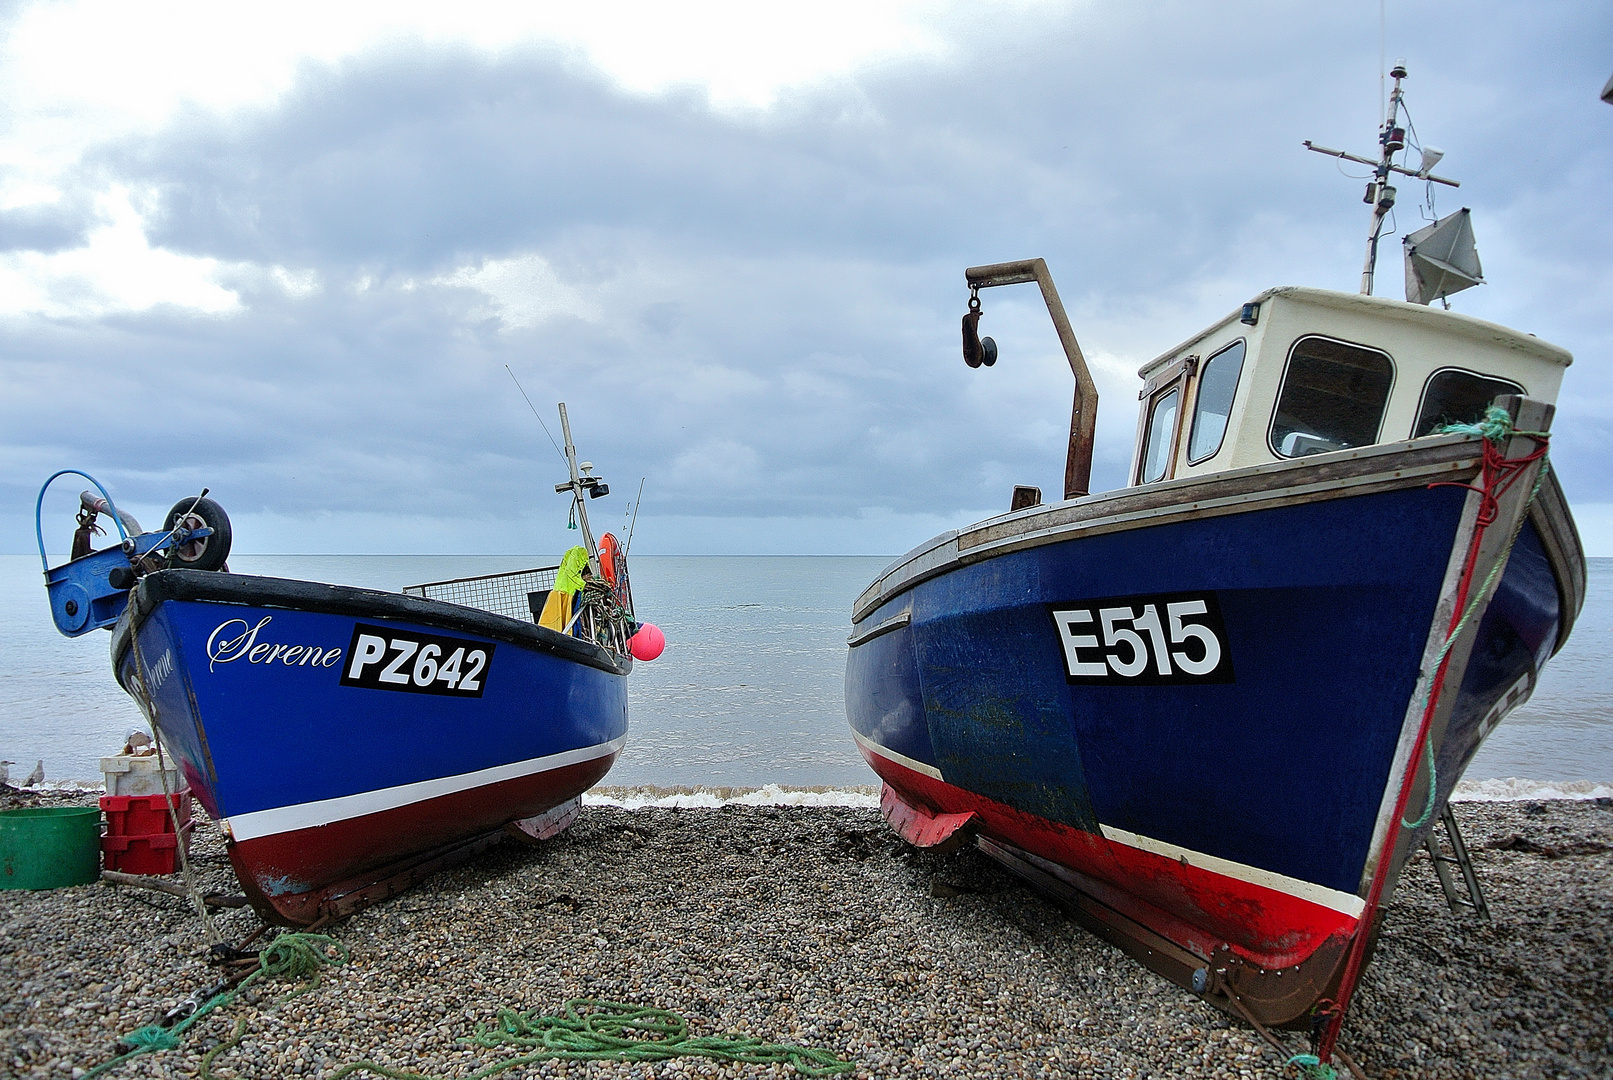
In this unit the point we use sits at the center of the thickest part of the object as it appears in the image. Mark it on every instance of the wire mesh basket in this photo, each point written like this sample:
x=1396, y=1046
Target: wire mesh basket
x=507, y=594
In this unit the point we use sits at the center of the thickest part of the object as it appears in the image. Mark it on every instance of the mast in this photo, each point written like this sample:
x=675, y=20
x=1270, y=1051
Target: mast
x=577, y=486
x=1380, y=193
x=1391, y=140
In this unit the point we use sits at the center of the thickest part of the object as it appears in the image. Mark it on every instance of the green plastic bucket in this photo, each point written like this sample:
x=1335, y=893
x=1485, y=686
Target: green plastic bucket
x=47, y=847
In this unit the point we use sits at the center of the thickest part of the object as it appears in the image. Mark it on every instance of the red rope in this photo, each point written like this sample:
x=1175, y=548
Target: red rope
x=1497, y=476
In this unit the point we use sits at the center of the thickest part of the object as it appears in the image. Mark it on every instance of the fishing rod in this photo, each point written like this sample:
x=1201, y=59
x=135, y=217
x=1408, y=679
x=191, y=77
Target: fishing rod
x=628, y=547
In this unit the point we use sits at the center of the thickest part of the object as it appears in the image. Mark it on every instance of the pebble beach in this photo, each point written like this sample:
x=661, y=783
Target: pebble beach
x=812, y=926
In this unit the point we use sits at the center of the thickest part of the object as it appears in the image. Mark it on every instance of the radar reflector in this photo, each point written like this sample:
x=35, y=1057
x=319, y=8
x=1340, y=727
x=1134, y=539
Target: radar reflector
x=1441, y=259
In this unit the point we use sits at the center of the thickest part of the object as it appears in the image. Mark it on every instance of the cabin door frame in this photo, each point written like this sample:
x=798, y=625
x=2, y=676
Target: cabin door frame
x=1182, y=378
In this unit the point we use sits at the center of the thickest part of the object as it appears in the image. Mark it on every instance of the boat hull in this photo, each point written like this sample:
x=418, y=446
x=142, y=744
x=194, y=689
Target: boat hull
x=1214, y=781
x=342, y=747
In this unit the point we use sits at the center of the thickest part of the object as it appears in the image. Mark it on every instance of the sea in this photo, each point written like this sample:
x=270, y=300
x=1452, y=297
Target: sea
x=749, y=692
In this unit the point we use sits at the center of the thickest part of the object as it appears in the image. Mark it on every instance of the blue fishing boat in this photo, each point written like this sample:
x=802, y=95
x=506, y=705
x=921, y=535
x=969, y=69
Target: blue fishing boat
x=351, y=741
x=1217, y=709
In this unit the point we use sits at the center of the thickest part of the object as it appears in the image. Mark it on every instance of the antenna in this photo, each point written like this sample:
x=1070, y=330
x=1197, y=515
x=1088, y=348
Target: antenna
x=1380, y=194
x=534, y=409
x=1383, y=36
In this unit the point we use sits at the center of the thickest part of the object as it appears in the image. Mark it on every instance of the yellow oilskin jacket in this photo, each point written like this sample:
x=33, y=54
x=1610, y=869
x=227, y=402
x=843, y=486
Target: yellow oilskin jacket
x=567, y=583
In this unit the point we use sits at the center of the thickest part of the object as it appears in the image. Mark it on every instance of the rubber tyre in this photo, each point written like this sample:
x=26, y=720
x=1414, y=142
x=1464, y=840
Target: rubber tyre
x=210, y=552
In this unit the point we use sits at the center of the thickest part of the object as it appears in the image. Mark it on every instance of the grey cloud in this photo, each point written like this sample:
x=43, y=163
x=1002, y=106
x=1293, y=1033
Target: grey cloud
x=46, y=227
x=412, y=160
x=414, y=163
x=775, y=296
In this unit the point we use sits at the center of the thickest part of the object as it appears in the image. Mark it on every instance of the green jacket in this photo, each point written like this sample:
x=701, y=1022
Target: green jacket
x=568, y=579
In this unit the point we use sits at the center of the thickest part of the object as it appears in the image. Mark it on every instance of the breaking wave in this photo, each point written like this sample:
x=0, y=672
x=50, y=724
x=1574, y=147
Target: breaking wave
x=1513, y=789
x=707, y=798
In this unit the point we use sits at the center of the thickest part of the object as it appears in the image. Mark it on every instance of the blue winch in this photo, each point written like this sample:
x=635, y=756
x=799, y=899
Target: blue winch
x=91, y=589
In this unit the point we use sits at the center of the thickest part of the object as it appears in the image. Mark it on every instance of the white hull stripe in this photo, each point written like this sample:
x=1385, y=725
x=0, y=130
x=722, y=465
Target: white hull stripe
x=1345, y=903
x=1342, y=902
x=283, y=819
x=901, y=759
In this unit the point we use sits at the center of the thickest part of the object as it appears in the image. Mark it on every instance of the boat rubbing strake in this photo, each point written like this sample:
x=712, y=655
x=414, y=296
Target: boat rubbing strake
x=1217, y=709
x=351, y=741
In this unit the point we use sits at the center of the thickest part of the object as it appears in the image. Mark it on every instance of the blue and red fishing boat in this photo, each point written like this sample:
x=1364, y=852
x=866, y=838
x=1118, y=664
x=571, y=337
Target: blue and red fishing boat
x=351, y=741
x=1217, y=709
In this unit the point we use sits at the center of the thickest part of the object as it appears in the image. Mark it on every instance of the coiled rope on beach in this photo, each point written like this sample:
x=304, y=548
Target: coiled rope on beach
x=594, y=1030
x=295, y=956
x=590, y=1029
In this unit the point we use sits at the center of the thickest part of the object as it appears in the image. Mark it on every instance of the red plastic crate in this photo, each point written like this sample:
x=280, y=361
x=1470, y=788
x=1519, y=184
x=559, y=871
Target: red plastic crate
x=143, y=815
x=155, y=853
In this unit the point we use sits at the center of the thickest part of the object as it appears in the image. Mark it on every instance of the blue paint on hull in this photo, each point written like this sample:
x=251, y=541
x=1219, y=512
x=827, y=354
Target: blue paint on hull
x=1327, y=609
x=1516, y=637
x=258, y=736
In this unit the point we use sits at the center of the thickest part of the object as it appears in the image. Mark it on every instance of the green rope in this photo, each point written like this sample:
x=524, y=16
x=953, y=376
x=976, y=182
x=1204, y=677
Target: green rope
x=289, y=956
x=149, y=1038
x=228, y=1044
x=1495, y=425
x=1312, y=1067
x=1433, y=786
x=594, y=1030
x=297, y=956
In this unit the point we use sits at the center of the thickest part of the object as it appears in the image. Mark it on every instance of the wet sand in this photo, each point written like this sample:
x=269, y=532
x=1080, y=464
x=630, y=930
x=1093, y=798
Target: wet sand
x=815, y=926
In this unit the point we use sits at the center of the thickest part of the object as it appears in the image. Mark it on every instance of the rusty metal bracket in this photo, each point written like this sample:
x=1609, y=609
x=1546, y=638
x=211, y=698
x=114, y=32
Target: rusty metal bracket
x=1084, y=412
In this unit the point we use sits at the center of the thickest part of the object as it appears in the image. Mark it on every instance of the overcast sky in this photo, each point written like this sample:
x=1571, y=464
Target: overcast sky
x=287, y=250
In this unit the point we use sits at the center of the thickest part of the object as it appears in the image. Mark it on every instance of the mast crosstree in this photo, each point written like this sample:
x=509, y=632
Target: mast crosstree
x=1380, y=193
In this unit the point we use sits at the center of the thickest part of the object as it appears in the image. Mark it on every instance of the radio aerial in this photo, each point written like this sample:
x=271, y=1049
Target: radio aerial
x=1381, y=194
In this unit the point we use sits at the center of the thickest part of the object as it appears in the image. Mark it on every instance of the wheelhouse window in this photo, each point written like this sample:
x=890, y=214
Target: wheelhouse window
x=1453, y=396
x=1161, y=432
x=1212, y=405
x=1333, y=397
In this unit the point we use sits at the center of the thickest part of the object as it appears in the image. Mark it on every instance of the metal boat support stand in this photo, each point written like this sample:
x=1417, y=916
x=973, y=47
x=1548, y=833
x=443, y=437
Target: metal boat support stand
x=1084, y=413
x=1473, y=900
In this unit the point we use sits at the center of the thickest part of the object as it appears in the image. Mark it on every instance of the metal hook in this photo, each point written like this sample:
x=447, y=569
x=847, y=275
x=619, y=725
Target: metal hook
x=976, y=351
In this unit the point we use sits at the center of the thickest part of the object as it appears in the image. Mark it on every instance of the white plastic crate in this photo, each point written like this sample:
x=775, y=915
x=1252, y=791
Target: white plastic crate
x=127, y=774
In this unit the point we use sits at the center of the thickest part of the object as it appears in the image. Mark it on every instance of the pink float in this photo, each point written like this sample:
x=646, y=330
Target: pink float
x=648, y=642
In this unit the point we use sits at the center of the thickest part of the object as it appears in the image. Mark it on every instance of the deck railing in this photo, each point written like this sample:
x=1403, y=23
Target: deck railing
x=506, y=594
